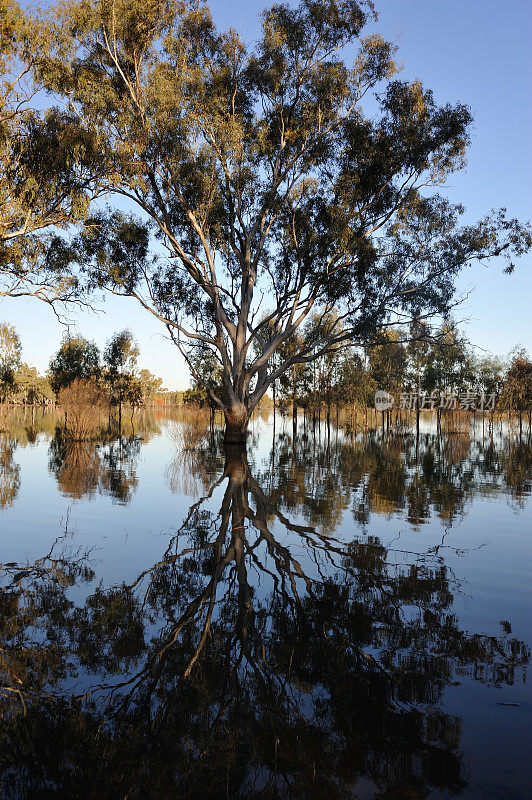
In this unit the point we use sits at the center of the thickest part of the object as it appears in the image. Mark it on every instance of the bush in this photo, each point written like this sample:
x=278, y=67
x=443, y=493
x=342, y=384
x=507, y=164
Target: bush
x=85, y=403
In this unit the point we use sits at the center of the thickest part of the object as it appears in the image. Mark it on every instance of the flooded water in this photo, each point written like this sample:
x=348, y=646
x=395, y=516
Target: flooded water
x=317, y=617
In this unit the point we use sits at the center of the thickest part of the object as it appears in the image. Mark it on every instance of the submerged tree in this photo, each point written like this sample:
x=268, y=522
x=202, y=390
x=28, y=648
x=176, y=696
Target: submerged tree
x=120, y=358
x=149, y=386
x=276, y=193
x=10, y=351
x=517, y=387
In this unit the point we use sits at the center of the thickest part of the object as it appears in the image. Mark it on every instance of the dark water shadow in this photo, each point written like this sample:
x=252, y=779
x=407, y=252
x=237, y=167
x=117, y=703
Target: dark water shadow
x=261, y=656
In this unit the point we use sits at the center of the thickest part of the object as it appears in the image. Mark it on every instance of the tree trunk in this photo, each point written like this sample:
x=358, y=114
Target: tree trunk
x=236, y=424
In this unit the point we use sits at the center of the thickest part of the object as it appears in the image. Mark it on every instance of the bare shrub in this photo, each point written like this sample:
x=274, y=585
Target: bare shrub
x=84, y=403
x=456, y=422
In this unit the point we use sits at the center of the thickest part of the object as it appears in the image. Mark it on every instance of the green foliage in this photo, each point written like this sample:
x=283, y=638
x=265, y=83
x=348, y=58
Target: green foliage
x=149, y=386
x=10, y=351
x=207, y=383
x=387, y=360
x=77, y=358
x=489, y=374
x=120, y=359
x=49, y=167
x=450, y=365
x=282, y=180
x=31, y=387
x=517, y=388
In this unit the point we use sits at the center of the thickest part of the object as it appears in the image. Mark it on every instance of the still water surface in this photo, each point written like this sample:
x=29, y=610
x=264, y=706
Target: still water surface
x=320, y=617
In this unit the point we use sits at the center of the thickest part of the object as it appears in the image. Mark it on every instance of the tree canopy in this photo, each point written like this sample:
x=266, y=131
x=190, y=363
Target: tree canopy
x=48, y=166
x=10, y=351
x=76, y=359
x=273, y=181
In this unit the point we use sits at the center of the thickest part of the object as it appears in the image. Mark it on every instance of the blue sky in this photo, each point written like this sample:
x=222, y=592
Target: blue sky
x=475, y=51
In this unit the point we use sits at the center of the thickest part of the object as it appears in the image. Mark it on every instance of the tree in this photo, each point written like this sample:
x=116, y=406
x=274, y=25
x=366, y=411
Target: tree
x=10, y=350
x=281, y=180
x=31, y=387
x=77, y=358
x=489, y=378
x=387, y=360
x=48, y=168
x=149, y=385
x=206, y=370
x=120, y=358
x=450, y=366
x=489, y=372
x=518, y=386
x=292, y=381
x=418, y=353
x=356, y=385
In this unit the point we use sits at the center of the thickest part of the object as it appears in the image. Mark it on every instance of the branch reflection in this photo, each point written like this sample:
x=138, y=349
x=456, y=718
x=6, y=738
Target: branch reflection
x=261, y=656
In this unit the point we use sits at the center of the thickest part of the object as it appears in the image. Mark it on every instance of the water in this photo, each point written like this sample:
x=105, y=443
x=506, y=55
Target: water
x=319, y=617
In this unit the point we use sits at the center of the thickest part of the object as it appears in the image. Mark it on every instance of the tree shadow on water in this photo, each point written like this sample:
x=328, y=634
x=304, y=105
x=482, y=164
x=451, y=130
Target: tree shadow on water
x=258, y=658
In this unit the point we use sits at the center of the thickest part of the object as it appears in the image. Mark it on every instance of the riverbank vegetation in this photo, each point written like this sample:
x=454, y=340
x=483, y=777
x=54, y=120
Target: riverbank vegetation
x=420, y=369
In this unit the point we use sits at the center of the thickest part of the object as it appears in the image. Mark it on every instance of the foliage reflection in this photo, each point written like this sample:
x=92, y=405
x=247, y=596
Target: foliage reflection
x=261, y=656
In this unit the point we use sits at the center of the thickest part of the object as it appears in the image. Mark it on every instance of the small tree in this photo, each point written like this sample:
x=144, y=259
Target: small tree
x=356, y=385
x=450, y=365
x=517, y=389
x=489, y=377
x=10, y=351
x=149, y=386
x=120, y=359
x=76, y=359
x=387, y=363
x=293, y=381
x=418, y=354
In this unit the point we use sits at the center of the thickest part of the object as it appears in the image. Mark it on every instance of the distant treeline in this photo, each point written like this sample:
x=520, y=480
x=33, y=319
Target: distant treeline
x=420, y=367
x=115, y=372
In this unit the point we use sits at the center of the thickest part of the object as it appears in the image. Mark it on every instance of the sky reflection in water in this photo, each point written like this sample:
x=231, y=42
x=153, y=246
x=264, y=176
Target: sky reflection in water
x=317, y=617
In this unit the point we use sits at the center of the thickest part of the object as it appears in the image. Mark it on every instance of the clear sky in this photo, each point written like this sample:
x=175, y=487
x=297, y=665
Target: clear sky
x=475, y=51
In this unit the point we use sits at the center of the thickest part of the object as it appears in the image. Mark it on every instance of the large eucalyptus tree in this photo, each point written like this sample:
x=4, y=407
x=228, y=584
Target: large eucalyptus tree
x=274, y=181
x=48, y=167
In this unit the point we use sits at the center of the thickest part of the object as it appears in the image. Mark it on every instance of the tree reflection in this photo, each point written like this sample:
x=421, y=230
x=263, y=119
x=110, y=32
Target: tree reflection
x=435, y=476
x=85, y=468
x=9, y=471
x=516, y=463
x=260, y=657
